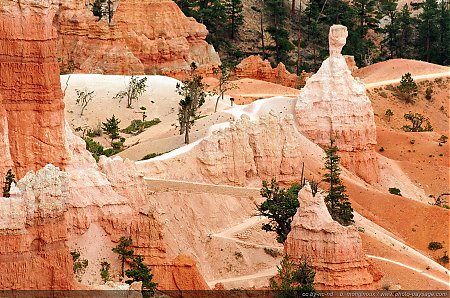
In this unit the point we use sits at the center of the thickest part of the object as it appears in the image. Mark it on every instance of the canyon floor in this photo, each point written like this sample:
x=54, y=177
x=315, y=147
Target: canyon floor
x=230, y=247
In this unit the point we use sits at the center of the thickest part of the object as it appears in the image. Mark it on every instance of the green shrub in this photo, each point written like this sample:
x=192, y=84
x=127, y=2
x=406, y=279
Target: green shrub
x=381, y=149
x=434, y=245
x=444, y=259
x=79, y=265
x=94, y=147
x=395, y=191
x=407, y=88
x=104, y=271
x=383, y=94
x=137, y=126
x=271, y=252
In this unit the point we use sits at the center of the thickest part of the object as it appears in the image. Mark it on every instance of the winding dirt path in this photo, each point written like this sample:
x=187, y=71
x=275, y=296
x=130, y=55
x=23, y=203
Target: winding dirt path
x=416, y=78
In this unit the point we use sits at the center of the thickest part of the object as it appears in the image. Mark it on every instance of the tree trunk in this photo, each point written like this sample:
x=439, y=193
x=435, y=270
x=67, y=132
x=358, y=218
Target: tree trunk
x=262, y=36
x=186, y=135
x=217, y=102
x=293, y=6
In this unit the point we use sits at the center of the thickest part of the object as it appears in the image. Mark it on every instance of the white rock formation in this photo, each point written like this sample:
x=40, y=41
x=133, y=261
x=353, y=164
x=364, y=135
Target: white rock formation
x=333, y=104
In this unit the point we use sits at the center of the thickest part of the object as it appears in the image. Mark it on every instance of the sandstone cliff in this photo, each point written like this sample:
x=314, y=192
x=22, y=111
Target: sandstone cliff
x=335, y=251
x=149, y=36
x=254, y=67
x=335, y=105
x=31, y=108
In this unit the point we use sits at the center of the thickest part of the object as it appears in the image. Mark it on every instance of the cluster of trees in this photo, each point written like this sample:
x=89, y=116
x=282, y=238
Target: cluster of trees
x=379, y=30
x=223, y=18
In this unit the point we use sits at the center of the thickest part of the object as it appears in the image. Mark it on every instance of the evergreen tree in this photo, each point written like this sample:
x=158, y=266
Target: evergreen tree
x=233, y=10
x=336, y=200
x=9, y=179
x=407, y=88
x=193, y=92
x=428, y=32
x=141, y=272
x=406, y=34
x=294, y=279
x=389, y=9
x=366, y=20
x=111, y=127
x=124, y=251
x=277, y=16
x=444, y=30
x=279, y=207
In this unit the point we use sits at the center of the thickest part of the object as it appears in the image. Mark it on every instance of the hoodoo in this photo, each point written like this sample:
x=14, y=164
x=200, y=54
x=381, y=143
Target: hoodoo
x=334, y=105
x=335, y=251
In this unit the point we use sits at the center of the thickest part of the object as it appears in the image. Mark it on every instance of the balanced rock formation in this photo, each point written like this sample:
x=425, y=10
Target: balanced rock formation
x=335, y=251
x=146, y=36
x=333, y=105
x=243, y=154
x=31, y=103
x=254, y=67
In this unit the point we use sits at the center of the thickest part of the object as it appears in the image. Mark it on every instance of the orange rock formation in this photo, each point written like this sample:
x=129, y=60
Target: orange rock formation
x=255, y=67
x=151, y=36
x=31, y=105
x=335, y=251
x=50, y=212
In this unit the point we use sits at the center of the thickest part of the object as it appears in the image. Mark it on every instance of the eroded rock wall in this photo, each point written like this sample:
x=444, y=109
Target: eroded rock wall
x=254, y=67
x=335, y=251
x=146, y=36
x=29, y=87
x=243, y=154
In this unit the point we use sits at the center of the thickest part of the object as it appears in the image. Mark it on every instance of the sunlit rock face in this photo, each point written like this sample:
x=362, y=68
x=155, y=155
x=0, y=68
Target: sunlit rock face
x=145, y=36
x=334, y=105
x=335, y=251
x=31, y=103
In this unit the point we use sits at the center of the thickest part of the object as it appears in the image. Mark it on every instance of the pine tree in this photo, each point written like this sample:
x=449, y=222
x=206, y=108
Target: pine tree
x=124, y=251
x=193, y=92
x=277, y=16
x=336, y=200
x=389, y=9
x=141, y=272
x=428, y=32
x=406, y=34
x=444, y=30
x=407, y=88
x=9, y=179
x=279, y=207
x=233, y=10
x=366, y=20
x=294, y=279
x=111, y=127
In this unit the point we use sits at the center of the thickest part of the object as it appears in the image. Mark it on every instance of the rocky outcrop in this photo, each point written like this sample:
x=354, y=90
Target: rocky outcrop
x=31, y=105
x=146, y=36
x=243, y=154
x=335, y=251
x=33, y=253
x=335, y=105
x=254, y=67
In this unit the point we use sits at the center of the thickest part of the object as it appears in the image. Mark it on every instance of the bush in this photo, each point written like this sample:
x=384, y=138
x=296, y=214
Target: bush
x=104, y=271
x=138, y=126
x=412, y=141
x=443, y=139
x=383, y=94
x=79, y=265
x=381, y=149
x=444, y=259
x=395, y=191
x=428, y=93
x=151, y=155
x=95, y=132
x=293, y=278
x=434, y=245
x=417, y=120
x=271, y=252
x=94, y=148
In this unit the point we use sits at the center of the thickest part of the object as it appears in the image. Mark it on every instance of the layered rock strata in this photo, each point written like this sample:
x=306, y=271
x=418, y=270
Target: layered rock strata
x=254, y=67
x=243, y=154
x=31, y=104
x=333, y=105
x=33, y=231
x=335, y=251
x=149, y=36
